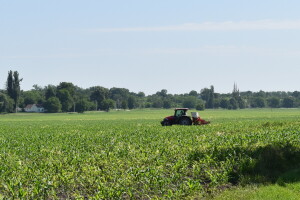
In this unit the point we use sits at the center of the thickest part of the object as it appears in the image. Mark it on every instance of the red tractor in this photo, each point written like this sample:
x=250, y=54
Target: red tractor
x=180, y=117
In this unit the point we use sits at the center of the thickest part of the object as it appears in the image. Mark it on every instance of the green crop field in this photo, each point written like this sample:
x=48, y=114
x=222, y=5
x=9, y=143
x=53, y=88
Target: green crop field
x=243, y=154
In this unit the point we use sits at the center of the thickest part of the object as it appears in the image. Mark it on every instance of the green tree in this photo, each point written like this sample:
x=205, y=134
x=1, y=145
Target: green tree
x=224, y=103
x=107, y=104
x=258, y=102
x=141, y=94
x=53, y=105
x=50, y=91
x=167, y=104
x=65, y=99
x=119, y=94
x=233, y=104
x=124, y=105
x=69, y=99
x=29, y=98
x=208, y=96
x=210, y=103
x=205, y=94
x=99, y=94
x=193, y=93
x=82, y=105
x=288, y=102
x=10, y=84
x=261, y=94
x=131, y=102
x=189, y=102
x=32, y=97
x=13, y=87
x=273, y=102
x=296, y=94
x=241, y=103
x=155, y=101
x=216, y=102
x=6, y=103
x=157, y=104
x=67, y=86
x=162, y=93
x=200, y=106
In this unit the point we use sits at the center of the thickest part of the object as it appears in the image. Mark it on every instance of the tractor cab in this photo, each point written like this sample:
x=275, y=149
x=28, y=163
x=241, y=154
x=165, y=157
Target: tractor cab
x=180, y=112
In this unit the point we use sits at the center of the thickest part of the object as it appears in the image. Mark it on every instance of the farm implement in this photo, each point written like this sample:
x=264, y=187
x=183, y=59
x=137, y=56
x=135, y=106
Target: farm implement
x=180, y=117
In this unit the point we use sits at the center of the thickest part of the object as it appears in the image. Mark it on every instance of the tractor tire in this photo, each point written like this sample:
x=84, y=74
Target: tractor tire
x=166, y=123
x=185, y=121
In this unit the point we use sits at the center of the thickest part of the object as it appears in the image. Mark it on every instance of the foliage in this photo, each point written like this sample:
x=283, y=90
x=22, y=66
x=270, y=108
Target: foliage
x=124, y=105
x=69, y=95
x=224, y=103
x=210, y=102
x=193, y=93
x=53, y=105
x=32, y=97
x=82, y=105
x=50, y=91
x=119, y=94
x=208, y=96
x=167, y=104
x=6, y=103
x=13, y=87
x=288, y=102
x=241, y=103
x=9, y=84
x=107, y=104
x=189, y=102
x=200, y=106
x=65, y=99
x=131, y=102
x=258, y=102
x=68, y=87
x=273, y=102
x=233, y=104
x=99, y=94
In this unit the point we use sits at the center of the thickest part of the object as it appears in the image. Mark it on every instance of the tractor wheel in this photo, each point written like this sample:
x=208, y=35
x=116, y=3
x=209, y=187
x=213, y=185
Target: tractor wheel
x=166, y=123
x=185, y=121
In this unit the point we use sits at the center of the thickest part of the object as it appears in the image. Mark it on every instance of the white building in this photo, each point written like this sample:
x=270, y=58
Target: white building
x=34, y=108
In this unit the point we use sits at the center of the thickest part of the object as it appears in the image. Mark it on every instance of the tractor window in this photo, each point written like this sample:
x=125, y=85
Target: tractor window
x=179, y=113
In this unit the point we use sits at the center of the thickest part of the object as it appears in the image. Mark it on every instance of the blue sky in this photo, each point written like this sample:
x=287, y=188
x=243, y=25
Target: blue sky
x=152, y=45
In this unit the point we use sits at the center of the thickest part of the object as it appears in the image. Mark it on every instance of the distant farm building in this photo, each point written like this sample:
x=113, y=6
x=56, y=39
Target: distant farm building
x=34, y=108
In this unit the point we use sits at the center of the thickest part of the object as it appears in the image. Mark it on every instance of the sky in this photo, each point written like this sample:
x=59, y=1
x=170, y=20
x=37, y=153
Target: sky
x=151, y=45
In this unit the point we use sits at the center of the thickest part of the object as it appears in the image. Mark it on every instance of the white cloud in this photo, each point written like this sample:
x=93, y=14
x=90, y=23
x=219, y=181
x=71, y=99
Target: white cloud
x=214, y=26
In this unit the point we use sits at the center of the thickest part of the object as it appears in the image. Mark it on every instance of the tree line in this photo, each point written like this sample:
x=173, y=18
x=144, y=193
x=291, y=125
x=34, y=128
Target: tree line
x=67, y=97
